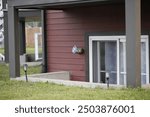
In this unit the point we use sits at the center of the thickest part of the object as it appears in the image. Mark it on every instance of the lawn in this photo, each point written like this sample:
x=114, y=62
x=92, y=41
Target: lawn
x=4, y=72
x=31, y=50
x=38, y=91
x=2, y=50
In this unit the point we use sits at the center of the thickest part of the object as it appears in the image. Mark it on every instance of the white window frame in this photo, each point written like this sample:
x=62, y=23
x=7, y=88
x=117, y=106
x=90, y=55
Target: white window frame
x=36, y=40
x=118, y=39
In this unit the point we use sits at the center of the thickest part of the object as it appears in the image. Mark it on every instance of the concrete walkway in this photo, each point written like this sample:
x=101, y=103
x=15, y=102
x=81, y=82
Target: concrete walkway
x=67, y=82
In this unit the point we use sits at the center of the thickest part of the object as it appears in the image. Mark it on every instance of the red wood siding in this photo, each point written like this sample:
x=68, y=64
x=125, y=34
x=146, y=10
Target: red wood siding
x=68, y=27
x=145, y=16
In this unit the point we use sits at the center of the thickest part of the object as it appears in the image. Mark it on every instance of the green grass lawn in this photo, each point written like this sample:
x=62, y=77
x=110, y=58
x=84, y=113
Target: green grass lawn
x=2, y=50
x=31, y=50
x=13, y=90
x=4, y=72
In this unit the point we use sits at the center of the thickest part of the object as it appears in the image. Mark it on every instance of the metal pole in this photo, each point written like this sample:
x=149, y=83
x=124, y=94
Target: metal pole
x=107, y=82
x=107, y=78
x=26, y=76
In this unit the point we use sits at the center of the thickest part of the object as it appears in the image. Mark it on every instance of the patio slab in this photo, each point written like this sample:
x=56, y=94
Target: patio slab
x=62, y=75
x=46, y=77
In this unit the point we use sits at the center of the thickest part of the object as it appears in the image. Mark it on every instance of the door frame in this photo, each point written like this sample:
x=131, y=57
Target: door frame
x=118, y=39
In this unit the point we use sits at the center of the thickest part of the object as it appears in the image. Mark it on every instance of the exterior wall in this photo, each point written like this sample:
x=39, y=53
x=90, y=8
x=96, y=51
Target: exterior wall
x=145, y=17
x=68, y=27
x=1, y=25
x=30, y=31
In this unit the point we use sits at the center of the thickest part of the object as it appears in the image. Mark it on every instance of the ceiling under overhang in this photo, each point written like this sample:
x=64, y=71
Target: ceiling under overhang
x=56, y=4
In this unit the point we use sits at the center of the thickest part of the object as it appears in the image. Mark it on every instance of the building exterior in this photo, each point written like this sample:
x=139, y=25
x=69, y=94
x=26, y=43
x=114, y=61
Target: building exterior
x=114, y=35
x=1, y=25
x=25, y=15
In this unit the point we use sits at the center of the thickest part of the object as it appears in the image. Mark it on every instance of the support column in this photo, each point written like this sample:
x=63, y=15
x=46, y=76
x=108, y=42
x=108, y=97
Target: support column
x=22, y=36
x=6, y=51
x=133, y=42
x=14, y=60
x=44, y=43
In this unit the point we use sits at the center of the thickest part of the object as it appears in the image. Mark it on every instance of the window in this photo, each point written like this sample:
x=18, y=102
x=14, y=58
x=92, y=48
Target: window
x=107, y=54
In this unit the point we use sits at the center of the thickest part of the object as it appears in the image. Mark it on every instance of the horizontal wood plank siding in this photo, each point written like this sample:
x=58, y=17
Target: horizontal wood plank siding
x=66, y=28
x=61, y=55
x=64, y=44
x=67, y=61
x=145, y=16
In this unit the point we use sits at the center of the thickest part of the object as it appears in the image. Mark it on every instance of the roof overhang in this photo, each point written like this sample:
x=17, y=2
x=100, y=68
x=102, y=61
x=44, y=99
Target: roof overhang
x=45, y=4
x=29, y=13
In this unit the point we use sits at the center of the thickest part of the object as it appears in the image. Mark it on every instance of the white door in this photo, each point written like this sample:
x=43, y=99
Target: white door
x=108, y=54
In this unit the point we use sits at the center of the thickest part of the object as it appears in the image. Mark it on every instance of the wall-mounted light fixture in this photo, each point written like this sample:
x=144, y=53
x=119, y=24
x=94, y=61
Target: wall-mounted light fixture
x=25, y=67
x=76, y=50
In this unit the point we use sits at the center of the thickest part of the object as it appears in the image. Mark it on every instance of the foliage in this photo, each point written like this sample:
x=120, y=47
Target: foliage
x=31, y=50
x=2, y=50
x=12, y=90
x=4, y=71
x=48, y=91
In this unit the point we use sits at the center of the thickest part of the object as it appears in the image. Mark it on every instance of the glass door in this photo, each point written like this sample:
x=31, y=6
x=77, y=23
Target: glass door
x=107, y=54
x=144, y=60
x=122, y=61
x=105, y=60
